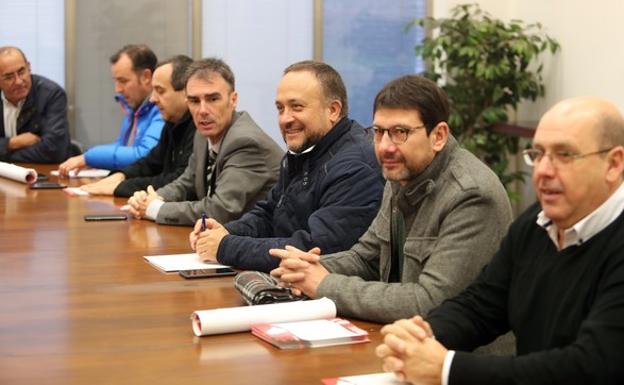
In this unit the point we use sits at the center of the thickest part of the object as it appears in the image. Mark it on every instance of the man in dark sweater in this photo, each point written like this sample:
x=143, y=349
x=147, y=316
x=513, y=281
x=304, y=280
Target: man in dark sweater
x=557, y=280
x=169, y=158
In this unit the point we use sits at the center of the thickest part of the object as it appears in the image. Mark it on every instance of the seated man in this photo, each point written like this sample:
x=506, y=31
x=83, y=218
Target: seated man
x=233, y=164
x=169, y=158
x=557, y=280
x=442, y=216
x=33, y=113
x=132, y=68
x=329, y=188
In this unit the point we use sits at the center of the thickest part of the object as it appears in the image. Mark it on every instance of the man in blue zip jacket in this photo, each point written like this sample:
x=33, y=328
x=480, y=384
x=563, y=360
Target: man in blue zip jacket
x=132, y=69
x=330, y=183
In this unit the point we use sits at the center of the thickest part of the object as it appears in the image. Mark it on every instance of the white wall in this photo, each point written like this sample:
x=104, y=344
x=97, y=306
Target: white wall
x=591, y=59
x=258, y=40
x=37, y=27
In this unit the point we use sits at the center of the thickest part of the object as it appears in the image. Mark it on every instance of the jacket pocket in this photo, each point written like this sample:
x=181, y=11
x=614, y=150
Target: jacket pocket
x=416, y=252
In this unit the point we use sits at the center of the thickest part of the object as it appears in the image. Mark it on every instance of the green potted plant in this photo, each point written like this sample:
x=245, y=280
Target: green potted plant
x=487, y=67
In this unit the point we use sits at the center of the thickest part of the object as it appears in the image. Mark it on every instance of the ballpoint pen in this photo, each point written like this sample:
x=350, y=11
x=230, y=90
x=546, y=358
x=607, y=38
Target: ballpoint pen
x=203, y=225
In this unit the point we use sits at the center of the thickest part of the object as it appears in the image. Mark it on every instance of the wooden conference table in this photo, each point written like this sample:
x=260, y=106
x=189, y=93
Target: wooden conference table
x=79, y=305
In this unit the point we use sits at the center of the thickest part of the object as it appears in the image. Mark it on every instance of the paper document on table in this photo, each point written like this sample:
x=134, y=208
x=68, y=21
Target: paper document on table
x=241, y=318
x=365, y=379
x=311, y=333
x=18, y=173
x=85, y=173
x=175, y=262
x=75, y=191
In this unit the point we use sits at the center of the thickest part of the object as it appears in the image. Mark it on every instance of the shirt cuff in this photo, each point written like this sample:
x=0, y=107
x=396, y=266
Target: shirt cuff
x=151, y=212
x=446, y=367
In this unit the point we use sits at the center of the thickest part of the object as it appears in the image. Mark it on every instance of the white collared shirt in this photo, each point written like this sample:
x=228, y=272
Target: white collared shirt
x=151, y=212
x=302, y=152
x=581, y=232
x=589, y=226
x=11, y=113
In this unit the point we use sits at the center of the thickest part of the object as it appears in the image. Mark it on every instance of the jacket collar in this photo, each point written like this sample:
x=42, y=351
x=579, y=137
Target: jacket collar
x=424, y=183
x=144, y=108
x=307, y=159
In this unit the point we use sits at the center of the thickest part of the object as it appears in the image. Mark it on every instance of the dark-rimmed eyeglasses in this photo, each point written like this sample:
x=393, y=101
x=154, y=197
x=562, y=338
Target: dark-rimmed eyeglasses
x=533, y=156
x=397, y=134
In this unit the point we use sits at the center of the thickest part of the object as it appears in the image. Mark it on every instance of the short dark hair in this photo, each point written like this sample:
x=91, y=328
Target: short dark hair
x=412, y=92
x=179, y=65
x=141, y=56
x=331, y=82
x=204, y=67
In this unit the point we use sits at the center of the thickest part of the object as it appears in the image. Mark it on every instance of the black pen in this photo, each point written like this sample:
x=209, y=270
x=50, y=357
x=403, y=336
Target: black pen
x=203, y=226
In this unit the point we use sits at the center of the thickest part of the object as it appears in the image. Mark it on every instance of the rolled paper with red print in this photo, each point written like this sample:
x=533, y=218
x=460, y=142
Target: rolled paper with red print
x=242, y=318
x=18, y=173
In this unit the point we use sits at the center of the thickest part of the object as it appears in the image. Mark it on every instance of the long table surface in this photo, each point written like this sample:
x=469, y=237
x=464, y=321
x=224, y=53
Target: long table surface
x=79, y=305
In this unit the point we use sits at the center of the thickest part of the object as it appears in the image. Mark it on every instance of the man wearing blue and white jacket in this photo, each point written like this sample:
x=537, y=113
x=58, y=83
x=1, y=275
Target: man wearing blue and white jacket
x=132, y=69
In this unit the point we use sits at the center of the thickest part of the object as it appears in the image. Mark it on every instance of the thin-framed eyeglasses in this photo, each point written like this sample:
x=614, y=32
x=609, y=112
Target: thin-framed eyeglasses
x=20, y=73
x=533, y=156
x=397, y=134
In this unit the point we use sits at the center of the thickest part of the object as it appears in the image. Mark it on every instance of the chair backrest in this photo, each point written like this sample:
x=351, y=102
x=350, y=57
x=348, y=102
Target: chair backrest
x=75, y=148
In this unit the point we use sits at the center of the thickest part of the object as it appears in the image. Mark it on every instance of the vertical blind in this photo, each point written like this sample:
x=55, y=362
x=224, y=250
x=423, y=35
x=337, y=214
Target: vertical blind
x=37, y=27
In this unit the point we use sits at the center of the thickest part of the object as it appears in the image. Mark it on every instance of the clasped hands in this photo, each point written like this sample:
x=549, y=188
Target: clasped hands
x=411, y=352
x=138, y=203
x=299, y=270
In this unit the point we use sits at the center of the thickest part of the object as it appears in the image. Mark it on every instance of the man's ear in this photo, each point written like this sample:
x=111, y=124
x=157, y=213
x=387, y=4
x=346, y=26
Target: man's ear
x=615, y=169
x=335, y=109
x=234, y=98
x=439, y=136
x=146, y=76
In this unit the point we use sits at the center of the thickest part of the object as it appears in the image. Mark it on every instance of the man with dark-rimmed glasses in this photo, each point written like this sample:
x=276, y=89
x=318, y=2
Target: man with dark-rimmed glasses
x=442, y=216
x=33, y=113
x=557, y=280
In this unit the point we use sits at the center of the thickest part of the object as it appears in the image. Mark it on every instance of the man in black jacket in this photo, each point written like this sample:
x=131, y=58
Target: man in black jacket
x=330, y=184
x=33, y=113
x=169, y=158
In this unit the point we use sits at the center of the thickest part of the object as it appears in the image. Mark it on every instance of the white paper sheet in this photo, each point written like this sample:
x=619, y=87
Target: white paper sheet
x=75, y=191
x=241, y=318
x=370, y=379
x=176, y=262
x=85, y=173
x=313, y=330
x=18, y=173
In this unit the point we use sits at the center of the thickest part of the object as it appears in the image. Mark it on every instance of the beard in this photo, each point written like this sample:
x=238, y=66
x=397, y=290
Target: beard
x=309, y=141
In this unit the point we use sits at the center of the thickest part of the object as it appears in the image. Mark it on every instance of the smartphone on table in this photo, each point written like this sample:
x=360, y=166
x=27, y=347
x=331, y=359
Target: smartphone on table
x=105, y=217
x=206, y=273
x=47, y=185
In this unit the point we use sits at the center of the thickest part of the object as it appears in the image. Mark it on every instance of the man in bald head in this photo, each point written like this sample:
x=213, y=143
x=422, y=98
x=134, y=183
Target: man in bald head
x=33, y=113
x=557, y=280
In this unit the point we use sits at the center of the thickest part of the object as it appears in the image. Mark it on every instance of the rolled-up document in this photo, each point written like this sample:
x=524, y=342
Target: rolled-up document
x=241, y=318
x=18, y=173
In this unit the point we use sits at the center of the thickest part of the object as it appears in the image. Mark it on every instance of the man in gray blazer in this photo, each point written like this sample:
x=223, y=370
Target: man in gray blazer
x=233, y=164
x=442, y=216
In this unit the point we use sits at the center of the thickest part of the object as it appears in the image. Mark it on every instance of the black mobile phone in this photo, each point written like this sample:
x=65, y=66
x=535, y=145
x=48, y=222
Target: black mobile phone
x=47, y=185
x=105, y=217
x=42, y=177
x=205, y=273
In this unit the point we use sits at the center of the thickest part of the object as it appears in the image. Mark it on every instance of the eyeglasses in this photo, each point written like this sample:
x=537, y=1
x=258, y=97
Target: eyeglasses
x=10, y=77
x=533, y=156
x=397, y=134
